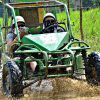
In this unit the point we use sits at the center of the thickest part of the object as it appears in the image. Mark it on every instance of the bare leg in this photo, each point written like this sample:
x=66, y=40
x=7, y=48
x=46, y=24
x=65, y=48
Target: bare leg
x=33, y=65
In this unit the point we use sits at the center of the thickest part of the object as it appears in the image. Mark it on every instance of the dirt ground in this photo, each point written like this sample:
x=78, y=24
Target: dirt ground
x=60, y=89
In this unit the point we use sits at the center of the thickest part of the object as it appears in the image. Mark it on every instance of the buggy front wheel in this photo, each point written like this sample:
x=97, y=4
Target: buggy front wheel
x=92, y=69
x=12, y=80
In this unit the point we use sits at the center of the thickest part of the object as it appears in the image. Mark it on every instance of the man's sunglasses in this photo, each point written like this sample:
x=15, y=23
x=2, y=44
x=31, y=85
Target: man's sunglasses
x=50, y=21
x=20, y=25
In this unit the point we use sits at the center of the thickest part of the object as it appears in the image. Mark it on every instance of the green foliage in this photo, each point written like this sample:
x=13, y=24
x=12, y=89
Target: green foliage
x=0, y=21
x=91, y=27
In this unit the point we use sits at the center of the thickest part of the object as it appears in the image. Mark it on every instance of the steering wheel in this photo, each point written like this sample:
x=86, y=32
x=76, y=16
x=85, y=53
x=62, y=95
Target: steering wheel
x=58, y=27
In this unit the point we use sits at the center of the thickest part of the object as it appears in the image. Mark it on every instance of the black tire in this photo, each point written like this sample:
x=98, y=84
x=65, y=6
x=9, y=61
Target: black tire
x=12, y=80
x=92, y=69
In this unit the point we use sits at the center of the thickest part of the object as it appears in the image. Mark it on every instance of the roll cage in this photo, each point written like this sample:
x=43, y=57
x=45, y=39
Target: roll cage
x=39, y=7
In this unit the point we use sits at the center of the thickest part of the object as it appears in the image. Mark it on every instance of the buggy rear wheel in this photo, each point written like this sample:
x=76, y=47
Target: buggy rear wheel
x=92, y=69
x=12, y=80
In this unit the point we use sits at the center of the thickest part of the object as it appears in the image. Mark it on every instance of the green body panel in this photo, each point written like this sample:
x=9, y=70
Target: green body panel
x=47, y=41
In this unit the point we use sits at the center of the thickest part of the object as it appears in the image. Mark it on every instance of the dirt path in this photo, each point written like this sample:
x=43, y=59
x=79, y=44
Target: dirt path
x=63, y=89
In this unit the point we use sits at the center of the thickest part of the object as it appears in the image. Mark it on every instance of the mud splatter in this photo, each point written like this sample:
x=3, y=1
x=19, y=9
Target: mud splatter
x=60, y=89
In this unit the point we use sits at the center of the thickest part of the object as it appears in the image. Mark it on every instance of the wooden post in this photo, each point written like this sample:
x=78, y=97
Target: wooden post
x=81, y=21
x=69, y=6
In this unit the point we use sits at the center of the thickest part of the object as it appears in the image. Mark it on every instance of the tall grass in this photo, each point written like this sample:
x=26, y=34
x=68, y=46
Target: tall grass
x=91, y=27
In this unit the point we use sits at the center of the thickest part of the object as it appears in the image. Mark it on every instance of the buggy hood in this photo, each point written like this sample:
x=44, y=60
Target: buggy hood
x=47, y=41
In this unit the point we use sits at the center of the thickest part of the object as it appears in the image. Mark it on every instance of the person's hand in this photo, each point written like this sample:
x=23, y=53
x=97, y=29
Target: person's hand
x=22, y=34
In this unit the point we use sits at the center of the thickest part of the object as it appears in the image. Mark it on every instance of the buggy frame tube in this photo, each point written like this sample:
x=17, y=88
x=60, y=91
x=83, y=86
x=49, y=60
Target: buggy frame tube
x=46, y=61
x=56, y=5
x=78, y=42
x=13, y=13
x=2, y=45
x=1, y=34
x=28, y=45
x=67, y=13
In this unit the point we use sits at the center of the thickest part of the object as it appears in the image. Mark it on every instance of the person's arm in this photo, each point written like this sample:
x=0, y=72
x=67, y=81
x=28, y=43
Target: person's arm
x=10, y=37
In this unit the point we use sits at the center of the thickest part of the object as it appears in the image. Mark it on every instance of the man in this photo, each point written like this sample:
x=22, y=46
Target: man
x=50, y=24
x=11, y=37
x=49, y=20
